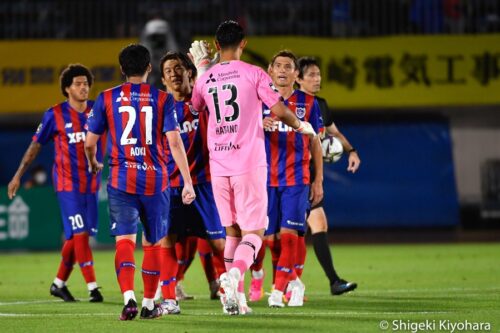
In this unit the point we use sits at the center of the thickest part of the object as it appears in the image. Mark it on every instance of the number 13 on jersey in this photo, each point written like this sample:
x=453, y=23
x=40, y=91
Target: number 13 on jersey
x=231, y=101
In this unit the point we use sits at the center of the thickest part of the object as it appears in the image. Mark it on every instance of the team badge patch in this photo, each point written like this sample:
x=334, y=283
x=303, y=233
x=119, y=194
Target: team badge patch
x=192, y=110
x=300, y=111
x=273, y=87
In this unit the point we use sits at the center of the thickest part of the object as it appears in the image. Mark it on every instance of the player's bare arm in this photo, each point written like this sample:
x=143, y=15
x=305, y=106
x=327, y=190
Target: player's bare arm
x=29, y=156
x=316, y=194
x=180, y=158
x=91, y=151
x=353, y=159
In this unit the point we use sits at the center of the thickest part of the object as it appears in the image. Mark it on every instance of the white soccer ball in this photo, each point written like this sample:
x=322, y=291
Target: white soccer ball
x=332, y=149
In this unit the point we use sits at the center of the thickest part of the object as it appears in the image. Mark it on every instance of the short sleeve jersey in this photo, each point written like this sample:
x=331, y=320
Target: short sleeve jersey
x=68, y=128
x=233, y=93
x=288, y=152
x=193, y=130
x=136, y=117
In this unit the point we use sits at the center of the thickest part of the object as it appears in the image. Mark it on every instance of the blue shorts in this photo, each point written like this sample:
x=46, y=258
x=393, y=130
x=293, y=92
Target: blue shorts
x=127, y=210
x=287, y=208
x=78, y=212
x=198, y=219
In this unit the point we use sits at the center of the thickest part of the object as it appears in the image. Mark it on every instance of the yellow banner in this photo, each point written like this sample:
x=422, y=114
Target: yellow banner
x=409, y=71
x=29, y=70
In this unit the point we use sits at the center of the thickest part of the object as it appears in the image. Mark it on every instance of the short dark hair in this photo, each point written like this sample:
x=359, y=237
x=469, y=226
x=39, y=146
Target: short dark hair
x=229, y=34
x=134, y=60
x=305, y=63
x=72, y=71
x=286, y=54
x=184, y=59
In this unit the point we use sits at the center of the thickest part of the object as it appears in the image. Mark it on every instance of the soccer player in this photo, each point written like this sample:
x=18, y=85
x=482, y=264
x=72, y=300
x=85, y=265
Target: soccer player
x=75, y=186
x=201, y=218
x=233, y=92
x=289, y=192
x=136, y=115
x=309, y=81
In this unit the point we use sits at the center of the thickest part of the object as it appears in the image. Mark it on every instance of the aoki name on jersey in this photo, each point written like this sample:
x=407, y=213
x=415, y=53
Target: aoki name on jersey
x=138, y=151
x=76, y=137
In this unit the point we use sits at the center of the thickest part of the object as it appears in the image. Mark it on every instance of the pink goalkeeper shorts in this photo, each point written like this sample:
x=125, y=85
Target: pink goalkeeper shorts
x=242, y=199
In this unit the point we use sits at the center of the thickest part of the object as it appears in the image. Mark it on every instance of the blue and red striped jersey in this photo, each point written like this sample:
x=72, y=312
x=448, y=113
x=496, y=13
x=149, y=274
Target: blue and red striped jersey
x=288, y=152
x=136, y=117
x=67, y=127
x=193, y=128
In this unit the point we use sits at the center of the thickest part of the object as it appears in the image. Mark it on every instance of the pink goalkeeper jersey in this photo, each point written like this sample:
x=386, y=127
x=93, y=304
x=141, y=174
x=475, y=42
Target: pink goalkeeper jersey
x=233, y=92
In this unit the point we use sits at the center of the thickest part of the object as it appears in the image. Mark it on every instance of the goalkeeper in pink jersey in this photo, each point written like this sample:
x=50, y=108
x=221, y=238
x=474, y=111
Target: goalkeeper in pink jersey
x=233, y=92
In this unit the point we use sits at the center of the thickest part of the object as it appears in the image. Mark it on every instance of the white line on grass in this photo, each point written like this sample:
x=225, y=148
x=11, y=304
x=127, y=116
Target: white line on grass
x=29, y=302
x=276, y=314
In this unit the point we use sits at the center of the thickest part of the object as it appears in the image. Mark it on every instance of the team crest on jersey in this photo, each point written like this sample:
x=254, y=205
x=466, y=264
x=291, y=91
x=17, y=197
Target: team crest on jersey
x=39, y=128
x=300, y=111
x=273, y=87
x=192, y=110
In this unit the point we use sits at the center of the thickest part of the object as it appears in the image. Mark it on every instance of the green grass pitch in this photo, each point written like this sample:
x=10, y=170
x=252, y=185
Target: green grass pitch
x=409, y=284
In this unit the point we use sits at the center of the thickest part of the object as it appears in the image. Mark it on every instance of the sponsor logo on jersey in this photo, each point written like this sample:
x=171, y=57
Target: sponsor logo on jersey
x=189, y=126
x=279, y=126
x=226, y=147
x=139, y=166
x=76, y=137
x=39, y=128
x=68, y=125
x=211, y=78
x=122, y=97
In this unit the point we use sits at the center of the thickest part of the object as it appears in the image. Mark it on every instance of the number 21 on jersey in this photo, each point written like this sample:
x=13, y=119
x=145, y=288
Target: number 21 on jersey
x=126, y=138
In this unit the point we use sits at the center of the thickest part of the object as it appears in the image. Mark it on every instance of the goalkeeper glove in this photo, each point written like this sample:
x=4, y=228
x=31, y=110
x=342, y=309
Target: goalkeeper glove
x=200, y=54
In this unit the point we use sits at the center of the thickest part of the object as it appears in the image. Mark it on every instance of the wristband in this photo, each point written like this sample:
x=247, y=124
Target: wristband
x=352, y=150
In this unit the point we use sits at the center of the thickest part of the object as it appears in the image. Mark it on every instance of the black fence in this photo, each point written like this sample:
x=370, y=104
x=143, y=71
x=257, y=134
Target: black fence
x=69, y=19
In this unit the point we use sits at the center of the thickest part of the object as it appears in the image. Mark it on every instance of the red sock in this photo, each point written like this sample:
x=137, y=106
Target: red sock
x=259, y=261
x=125, y=264
x=185, y=251
x=284, y=269
x=67, y=261
x=275, y=247
x=301, y=256
x=151, y=270
x=83, y=255
x=205, y=253
x=169, y=267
